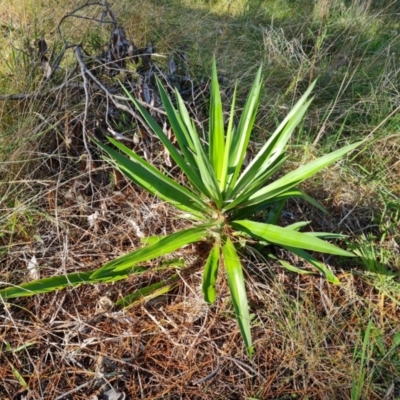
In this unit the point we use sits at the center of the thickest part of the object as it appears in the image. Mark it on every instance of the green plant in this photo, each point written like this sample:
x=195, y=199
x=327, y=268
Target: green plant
x=358, y=382
x=219, y=197
x=372, y=355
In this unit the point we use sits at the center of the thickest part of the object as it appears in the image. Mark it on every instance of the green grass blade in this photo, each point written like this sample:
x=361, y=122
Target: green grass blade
x=357, y=384
x=329, y=275
x=294, y=178
x=286, y=237
x=164, y=246
x=210, y=275
x=216, y=127
x=22, y=347
x=18, y=376
x=237, y=289
x=152, y=180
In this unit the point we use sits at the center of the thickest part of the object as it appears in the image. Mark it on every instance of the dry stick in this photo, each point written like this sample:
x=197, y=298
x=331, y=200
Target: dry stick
x=239, y=363
x=38, y=93
x=84, y=131
x=72, y=14
x=244, y=365
x=101, y=376
x=143, y=103
x=203, y=327
x=158, y=323
x=77, y=389
x=209, y=376
x=87, y=4
x=199, y=124
x=24, y=96
x=120, y=106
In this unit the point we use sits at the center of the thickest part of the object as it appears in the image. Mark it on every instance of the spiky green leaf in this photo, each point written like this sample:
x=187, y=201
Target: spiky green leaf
x=329, y=275
x=241, y=139
x=286, y=237
x=210, y=274
x=152, y=180
x=164, y=246
x=216, y=126
x=52, y=283
x=293, y=178
x=234, y=274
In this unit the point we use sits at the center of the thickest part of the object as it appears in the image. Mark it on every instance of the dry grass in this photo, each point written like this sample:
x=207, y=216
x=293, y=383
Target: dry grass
x=72, y=215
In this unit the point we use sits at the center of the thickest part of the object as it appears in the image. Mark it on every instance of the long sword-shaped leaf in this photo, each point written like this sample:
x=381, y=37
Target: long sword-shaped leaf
x=148, y=240
x=152, y=180
x=237, y=288
x=243, y=132
x=228, y=142
x=45, y=285
x=59, y=282
x=188, y=167
x=273, y=149
x=164, y=246
x=258, y=182
x=294, y=178
x=315, y=203
x=324, y=235
x=329, y=275
x=182, y=135
x=278, y=139
x=206, y=169
x=241, y=213
x=216, y=127
x=286, y=237
x=292, y=192
x=210, y=275
x=184, y=141
x=327, y=235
